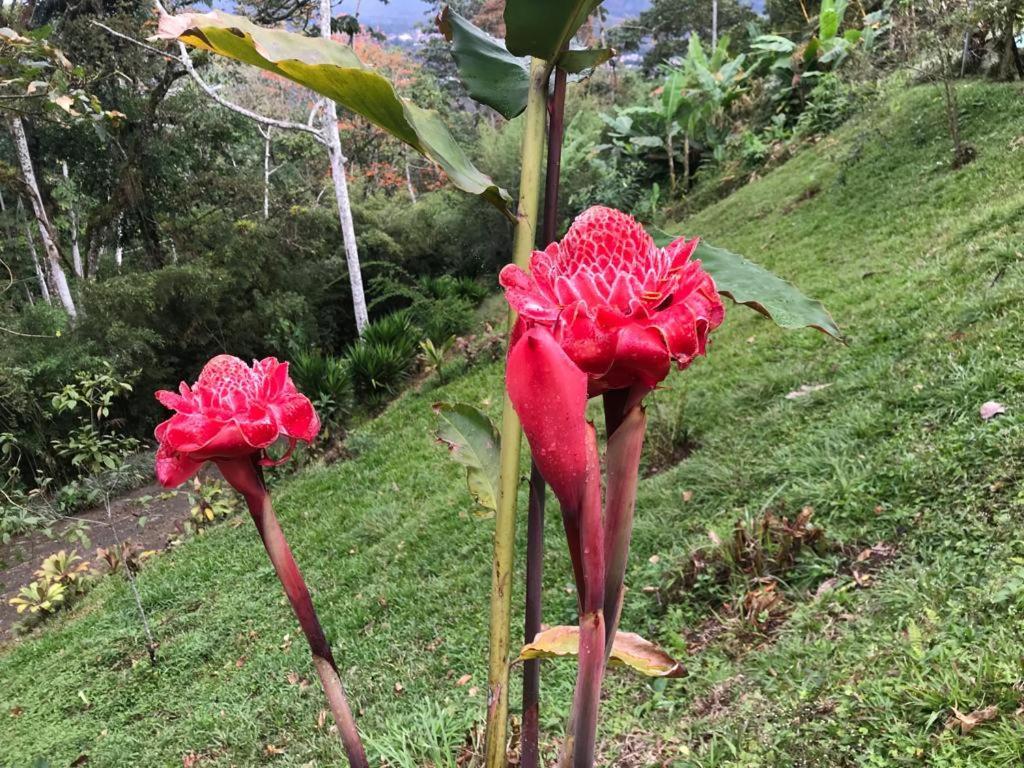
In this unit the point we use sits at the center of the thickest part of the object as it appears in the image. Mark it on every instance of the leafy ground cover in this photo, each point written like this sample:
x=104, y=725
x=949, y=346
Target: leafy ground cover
x=891, y=639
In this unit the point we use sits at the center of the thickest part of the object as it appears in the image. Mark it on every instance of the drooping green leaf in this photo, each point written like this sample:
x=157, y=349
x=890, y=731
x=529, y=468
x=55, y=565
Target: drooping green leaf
x=491, y=74
x=648, y=141
x=583, y=60
x=473, y=442
x=333, y=70
x=628, y=649
x=774, y=43
x=748, y=283
x=542, y=28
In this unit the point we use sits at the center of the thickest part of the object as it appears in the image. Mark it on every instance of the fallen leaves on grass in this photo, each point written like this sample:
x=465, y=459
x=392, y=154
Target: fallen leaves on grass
x=804, y=390
x=628, y=648
x=967, y=723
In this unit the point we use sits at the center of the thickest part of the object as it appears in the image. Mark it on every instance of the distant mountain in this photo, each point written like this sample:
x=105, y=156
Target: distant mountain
x=404, y=15
x=400, y=19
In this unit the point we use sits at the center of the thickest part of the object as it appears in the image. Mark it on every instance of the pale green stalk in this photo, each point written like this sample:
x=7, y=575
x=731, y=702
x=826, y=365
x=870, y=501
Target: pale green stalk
x=511, y=436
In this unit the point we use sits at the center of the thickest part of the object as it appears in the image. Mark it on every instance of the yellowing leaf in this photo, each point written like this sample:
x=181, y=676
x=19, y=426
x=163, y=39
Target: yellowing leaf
x=629, y=649
x=967, y=723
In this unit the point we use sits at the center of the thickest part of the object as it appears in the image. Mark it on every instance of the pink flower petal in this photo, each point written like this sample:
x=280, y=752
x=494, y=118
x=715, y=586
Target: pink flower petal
x=298, y=419
x=588, y=344
x=521, y=293
x=173, y=469
x=641, y=357
x=991, y=409
x=173, y=401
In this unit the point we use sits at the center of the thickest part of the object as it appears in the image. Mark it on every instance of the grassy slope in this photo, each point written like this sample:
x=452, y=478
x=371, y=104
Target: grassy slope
x=923, y=268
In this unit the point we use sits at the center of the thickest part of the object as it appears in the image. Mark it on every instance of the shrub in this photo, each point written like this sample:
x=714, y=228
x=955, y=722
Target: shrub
x=377, y=370
x=442, y=318
x=395, y=330
x=208, y=502
x=326, y=381
x=830, y=103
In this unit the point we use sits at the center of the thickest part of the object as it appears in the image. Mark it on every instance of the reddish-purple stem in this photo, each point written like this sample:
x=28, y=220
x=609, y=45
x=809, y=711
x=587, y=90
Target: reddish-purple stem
x=587, y=698
x=530, y=740
x=247, y=477
x=625, y=442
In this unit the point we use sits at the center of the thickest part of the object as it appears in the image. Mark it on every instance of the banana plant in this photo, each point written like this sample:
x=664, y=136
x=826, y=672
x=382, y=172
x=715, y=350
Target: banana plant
x=826, y=49
x=711, y=85
x=658, y=126
x=692, y=106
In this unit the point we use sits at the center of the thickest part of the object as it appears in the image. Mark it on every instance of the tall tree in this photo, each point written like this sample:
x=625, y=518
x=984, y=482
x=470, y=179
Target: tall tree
x=329, y=112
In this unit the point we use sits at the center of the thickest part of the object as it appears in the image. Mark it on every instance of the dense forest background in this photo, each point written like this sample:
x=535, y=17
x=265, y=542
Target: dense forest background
x=159, y=207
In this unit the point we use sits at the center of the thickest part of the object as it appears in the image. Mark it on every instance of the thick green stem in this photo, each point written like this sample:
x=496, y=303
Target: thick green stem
x=511, y=435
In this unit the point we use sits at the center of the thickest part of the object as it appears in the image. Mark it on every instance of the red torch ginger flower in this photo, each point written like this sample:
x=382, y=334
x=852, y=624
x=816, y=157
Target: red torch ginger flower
x=232, y=412
x=604, y=309
x=603, y=312
x=621, y=308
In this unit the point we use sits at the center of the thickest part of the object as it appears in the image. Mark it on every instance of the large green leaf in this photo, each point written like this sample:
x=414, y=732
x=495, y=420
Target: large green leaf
x=628, y=649
x=333, y=70
x=542, y=28
x=474, y=443
x=748, y=283
x=491, y=74
x=582, y=60
x=773, y=43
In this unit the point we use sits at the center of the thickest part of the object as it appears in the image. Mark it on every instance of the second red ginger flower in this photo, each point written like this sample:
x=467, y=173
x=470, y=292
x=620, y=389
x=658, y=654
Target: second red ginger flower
x=603, y=312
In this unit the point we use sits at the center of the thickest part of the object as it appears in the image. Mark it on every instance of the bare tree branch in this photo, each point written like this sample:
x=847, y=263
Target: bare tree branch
x=186, y=61
x=255, y=116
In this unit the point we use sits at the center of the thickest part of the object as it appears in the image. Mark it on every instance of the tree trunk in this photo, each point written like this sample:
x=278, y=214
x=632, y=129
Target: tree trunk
x=340, y=180
x=76, y=251
x=1010, y=65
x=44, y=289
x=60, y=280
x=266, y=134
x=119, y=245
x=409, y=184
x=686, y=163
x=671, y=162
x=714, y=25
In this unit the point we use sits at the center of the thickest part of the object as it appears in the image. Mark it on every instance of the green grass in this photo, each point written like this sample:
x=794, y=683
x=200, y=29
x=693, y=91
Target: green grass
x=923, y=268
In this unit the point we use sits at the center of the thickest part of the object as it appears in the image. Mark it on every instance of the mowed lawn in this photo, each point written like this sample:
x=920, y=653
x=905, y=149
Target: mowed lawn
x=923, y=268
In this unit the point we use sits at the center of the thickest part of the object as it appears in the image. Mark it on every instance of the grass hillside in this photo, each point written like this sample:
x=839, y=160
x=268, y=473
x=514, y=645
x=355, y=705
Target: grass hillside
x=837, y=662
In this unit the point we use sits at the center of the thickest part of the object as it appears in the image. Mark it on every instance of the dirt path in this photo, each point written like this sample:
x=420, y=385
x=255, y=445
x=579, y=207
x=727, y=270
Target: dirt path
x=147, y=517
